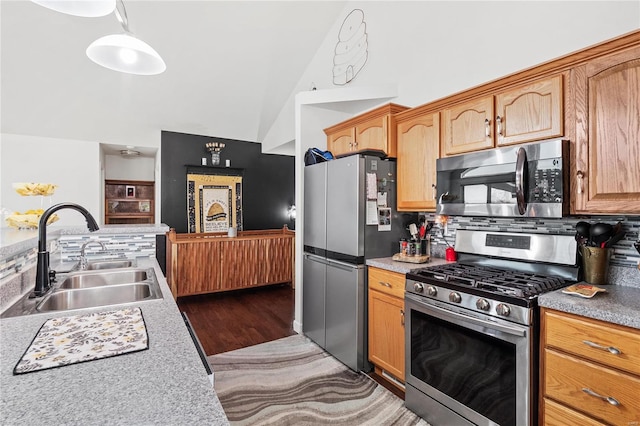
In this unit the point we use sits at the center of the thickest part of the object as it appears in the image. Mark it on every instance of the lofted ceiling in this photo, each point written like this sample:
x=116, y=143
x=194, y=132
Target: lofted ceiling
x=231, y=65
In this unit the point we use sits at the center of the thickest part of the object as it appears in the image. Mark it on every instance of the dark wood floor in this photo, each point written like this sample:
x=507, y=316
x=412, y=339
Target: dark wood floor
x=237, y=319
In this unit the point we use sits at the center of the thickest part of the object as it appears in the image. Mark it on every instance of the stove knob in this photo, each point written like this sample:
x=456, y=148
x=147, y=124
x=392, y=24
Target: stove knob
x=418, y=287
x=432, y=291
x=483, y=305
x=503, y=310
x=455, y=297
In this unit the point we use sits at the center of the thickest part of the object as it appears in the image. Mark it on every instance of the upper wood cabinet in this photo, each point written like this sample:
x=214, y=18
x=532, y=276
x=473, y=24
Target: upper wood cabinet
x=607, y=146
x=530, y=112
x=521, y=114
x=375, y=129
x=418, y=149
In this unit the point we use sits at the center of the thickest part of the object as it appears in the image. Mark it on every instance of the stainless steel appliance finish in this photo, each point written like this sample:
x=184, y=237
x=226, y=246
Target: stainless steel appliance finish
x=337, y=241
x=528, y=180
x=471, y=329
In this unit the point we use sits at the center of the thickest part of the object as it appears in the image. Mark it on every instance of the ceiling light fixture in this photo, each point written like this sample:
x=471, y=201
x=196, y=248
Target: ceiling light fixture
x=87, y=8
x=125, y=52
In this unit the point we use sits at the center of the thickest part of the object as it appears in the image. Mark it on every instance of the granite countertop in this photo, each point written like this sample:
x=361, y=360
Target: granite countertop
x=166, y=384
x=619, y=305
x=402, y=267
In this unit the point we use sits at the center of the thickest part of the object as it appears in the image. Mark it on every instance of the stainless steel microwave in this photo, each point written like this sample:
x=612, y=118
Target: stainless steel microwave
x=528, y=180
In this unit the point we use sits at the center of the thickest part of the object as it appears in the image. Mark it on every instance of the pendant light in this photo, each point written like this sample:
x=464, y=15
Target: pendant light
x=125, y=52
x=87, y=8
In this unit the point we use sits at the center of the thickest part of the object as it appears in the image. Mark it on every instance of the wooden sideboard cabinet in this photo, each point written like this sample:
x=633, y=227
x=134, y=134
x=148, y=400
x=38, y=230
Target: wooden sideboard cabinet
x=532, y=111
x=129, y=201
x=199, y=263
x=386, y=321
x=590, y=371
x=418, y=149
x=373, y=130
x=607, y=159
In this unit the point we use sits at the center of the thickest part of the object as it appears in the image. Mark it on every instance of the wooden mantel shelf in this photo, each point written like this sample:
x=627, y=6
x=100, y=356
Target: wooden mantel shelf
x=202, y=263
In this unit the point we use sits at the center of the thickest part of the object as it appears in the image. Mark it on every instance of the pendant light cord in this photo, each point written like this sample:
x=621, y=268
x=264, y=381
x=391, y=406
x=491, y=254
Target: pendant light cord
x=121, y=15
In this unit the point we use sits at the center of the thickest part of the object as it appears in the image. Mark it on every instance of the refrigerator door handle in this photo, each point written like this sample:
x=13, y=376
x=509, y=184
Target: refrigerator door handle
x=315, y=257
x=342, y=265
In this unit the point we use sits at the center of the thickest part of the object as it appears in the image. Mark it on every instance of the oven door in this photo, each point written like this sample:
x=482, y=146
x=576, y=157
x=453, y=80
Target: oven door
x=462, y=368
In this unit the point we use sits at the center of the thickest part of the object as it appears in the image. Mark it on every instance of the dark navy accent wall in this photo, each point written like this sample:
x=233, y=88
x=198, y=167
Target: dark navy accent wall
x=268, y=179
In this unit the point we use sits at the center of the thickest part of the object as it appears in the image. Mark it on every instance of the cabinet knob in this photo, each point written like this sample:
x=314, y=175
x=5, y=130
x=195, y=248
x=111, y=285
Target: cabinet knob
x=487, y=127
x=499, y=125
x=434, y=191
x=402, y=316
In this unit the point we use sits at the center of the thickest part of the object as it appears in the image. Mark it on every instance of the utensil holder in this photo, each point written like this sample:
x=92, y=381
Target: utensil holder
x=595, y=262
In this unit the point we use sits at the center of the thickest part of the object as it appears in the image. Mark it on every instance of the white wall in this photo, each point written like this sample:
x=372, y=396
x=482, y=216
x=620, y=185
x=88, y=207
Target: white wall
x=72, y=165
x=136, y=168
x=432, y=49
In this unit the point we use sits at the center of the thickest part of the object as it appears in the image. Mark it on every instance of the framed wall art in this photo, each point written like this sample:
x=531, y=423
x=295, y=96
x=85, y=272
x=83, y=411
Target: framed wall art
x=214, y=202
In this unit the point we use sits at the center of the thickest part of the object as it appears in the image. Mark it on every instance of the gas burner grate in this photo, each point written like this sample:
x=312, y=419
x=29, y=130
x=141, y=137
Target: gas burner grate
x=494, y=280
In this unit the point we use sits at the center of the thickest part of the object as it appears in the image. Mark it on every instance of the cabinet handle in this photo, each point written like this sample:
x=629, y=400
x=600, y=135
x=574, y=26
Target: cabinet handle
x=611, y=349
x=499, y=125
x=611, y=400
x=384, y=284
x=402, y=316
x=355, y=144
x=434, y=190
x=487, y=127
x=580, y=176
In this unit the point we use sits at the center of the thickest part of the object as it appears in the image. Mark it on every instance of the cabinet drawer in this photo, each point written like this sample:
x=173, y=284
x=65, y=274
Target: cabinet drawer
x=388, y=282
x=566, y=377
x=579, y=335
x=559, y=415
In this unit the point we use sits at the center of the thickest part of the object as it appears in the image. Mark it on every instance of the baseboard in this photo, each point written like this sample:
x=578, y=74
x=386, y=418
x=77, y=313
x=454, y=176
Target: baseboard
x=297, y=327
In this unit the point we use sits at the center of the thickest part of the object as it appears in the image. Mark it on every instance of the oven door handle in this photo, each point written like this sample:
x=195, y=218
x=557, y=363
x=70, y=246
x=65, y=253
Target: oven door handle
x=460, y=319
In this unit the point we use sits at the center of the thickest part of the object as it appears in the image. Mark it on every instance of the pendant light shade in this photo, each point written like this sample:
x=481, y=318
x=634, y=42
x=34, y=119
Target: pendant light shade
x=126, y=53
x=87, y=8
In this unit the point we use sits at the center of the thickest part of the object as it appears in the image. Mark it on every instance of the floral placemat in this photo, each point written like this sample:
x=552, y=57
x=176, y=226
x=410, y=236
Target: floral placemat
x=81, y=338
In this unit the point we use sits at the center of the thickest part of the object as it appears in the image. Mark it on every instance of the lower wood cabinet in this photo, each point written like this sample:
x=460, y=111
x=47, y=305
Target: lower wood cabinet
x=590, y=371
x=386, y=321
x=211, y=262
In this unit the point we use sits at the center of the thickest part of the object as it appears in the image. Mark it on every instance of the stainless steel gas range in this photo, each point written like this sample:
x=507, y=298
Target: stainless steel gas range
x=472, y=329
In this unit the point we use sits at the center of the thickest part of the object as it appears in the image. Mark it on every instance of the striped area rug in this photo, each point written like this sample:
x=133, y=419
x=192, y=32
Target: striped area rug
x=292, y=381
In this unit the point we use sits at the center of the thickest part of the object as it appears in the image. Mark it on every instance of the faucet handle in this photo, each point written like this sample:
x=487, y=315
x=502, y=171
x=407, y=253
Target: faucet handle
x=52, y=275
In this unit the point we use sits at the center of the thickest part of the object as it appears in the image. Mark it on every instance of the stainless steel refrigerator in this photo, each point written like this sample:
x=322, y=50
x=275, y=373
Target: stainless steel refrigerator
x=349, y=216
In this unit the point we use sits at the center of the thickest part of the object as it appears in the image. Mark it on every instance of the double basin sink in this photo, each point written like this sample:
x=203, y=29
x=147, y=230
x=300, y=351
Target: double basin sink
x=102, y=283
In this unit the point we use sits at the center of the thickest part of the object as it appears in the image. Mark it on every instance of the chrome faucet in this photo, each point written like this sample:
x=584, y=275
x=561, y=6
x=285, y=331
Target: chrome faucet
x=83, y=257
x=43, y=274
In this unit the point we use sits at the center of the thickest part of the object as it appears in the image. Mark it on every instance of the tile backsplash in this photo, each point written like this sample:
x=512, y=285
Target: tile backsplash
x=624, y=254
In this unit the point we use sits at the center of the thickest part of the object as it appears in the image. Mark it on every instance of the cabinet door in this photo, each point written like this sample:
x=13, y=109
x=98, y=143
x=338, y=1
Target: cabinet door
x=372, y=134
x=608, y=134
x=341, y=142
x=197, y=272
x=418, y=148
x=468, y=126
x=386, y=332
x=530, y=112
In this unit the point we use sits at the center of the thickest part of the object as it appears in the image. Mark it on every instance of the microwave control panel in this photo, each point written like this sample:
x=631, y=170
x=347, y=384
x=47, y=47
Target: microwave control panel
x=546, y=182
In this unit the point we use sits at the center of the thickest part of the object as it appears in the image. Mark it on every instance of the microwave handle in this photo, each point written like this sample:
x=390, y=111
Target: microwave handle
x=521, y=164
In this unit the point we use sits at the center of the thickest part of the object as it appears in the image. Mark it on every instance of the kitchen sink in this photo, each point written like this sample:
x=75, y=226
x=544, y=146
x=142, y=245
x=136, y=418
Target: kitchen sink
x=103, y=278
x=108, y=264
x=93, y=297
x=92, y=289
